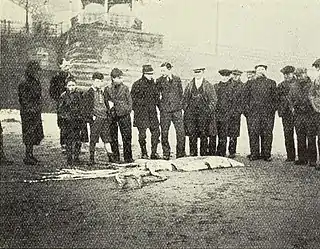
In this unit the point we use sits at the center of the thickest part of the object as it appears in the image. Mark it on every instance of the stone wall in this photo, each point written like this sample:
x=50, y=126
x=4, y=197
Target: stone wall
x=97, y=47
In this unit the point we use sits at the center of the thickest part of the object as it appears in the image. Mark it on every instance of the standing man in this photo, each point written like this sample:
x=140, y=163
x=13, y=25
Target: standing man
x=171, y=98
x=119, y=95
x=30, y=99
x=228, y=113
x=250, y=76
x=304, y=116
x=57, y=87
x=260, y=97
x=285, y=112
x=315, y=101
x=199, y=103
x=145, y=100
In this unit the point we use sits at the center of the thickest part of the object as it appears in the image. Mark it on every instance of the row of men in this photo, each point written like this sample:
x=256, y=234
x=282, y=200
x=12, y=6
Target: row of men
x=201, y=111
x=210, y=111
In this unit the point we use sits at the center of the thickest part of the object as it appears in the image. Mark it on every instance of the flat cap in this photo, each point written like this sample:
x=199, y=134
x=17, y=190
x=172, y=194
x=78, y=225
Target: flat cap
x=167, y=65
x=236, y=72
x=316, y=63
x=251, y=71
x=147, y=69
x=287, y=69
x=116, y=72
x=199, y=69
x=300, y=70
x=225, y=72
x=261, y=65
x=97, y=75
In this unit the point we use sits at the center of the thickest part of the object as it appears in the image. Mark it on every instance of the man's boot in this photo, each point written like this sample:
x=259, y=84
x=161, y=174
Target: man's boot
x=77, y=150
x=154, y=155
x=143, y=147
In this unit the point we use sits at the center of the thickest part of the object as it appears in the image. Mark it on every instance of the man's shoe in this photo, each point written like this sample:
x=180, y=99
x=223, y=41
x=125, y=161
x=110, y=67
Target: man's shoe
x=128, y=160
x=76, y=161
x=155, y=156
x=166, y=157
x=144, y=156
x=232, y=156
x=29, y=161
x=254, y=158
x=299, y=162
x=290, y=160
x=267, y=159
x=312, y=164
x=317, y=167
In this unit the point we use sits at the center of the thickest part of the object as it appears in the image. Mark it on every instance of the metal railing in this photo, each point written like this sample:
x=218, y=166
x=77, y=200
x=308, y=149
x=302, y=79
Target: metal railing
x=40, y=28
x=112, y=19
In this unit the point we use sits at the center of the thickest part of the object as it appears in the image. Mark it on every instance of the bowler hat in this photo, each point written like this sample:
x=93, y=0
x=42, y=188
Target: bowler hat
x=97, y=75
x=236, y=72
x=147, y=69
x=224, y=72
x=261, y=65
x=116, y=72
x=300, y=70
x=287, y=69
x=316, y=63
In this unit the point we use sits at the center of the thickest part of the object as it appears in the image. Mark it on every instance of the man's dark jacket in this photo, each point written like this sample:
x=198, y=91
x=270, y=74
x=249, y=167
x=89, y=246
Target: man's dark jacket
x=171, y=94
x=229, y=99
x=145, y=99
x=58, y=85
x=283, y=90
x=206, y=113
x=260, y=96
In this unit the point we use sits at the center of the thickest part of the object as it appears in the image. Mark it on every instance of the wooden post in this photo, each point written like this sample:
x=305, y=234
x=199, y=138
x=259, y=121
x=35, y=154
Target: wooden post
x=27, y=16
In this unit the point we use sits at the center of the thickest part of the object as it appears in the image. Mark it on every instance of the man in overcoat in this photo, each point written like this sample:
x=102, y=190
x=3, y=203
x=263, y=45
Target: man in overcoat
x=305, y=118
x=199, y=103
x=171, y=97
x=285, y=112
x=29, y=93
x=228, y=111
x=260, y=104
x=56, y=88
x=145, y=100
x=314, y=97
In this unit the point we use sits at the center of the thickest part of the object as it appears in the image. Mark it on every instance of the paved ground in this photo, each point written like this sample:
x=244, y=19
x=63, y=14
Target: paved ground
x=263, y=205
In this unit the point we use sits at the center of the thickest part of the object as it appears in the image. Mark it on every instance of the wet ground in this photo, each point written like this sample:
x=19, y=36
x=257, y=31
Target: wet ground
x=262, y=205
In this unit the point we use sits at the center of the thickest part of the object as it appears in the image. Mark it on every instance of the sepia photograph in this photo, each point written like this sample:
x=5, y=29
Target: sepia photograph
x=160, y=124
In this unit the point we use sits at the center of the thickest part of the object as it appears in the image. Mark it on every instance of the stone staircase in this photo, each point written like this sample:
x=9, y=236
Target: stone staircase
x=99, y=48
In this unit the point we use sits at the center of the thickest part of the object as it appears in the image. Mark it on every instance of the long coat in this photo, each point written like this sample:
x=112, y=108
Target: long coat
x=260, y=97
x=29, y=93
x=229, y=105
x=200, y=118
x=305, y=115
x=145, y=100
x=58, y=85
x=171, y=94
x=283, y=90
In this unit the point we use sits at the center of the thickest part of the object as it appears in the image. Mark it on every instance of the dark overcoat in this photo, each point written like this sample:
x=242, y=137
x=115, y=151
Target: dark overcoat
x=304, y=113
x=260, y=97
x=29, y=93
x=171, y=94
x=145, y=100
x=229, y=105
x=199, y=111
x=283, y=90
x=58, y=85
